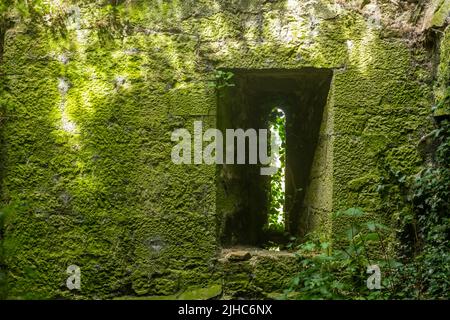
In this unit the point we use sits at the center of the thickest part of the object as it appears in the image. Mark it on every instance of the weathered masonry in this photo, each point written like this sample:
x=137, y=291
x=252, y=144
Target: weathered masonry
x=91, y=92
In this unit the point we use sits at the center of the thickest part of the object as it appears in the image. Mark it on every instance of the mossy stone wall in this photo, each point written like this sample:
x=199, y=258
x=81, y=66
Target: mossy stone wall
x=90, y=109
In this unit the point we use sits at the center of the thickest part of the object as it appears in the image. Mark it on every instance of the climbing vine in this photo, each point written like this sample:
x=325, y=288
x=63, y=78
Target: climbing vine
x=425, y=248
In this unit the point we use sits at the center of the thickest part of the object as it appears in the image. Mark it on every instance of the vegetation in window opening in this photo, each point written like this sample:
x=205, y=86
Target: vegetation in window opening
x=277, y=128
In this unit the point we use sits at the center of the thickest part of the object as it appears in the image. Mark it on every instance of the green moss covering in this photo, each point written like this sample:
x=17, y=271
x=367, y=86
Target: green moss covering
x=442, y=87
x=86, y=145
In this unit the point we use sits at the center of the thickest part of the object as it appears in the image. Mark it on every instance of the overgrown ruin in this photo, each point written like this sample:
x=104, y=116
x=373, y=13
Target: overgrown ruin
x=90, y=92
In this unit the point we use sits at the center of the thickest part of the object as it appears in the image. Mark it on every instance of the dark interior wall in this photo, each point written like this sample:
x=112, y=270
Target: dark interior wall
x=302, y=94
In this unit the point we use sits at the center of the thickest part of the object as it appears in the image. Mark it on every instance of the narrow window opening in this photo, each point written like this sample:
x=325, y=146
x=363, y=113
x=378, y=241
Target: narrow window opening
x=261, y=210
x=276, y=213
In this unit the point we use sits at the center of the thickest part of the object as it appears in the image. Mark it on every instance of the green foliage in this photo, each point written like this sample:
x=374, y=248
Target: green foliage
x=443, y=105
x=277, y=122
x=222, y=79
x=421, y=267
x=339, y=272
x=423, y=223
x=425, y=245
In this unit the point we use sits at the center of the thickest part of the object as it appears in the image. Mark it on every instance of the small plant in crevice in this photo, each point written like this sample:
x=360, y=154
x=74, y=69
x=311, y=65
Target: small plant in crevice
x=222, y=79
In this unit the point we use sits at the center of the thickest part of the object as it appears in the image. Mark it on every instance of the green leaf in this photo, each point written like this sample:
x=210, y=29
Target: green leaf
x=382, y=226
x=371, y=226
x=372, y=237
x=309, y=246
x=324, y=245
x=354, y=212
x=352, y=232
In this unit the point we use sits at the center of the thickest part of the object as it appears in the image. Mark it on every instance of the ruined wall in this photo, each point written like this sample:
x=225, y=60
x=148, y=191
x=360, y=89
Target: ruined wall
x=91, y=106
x=442, y=84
